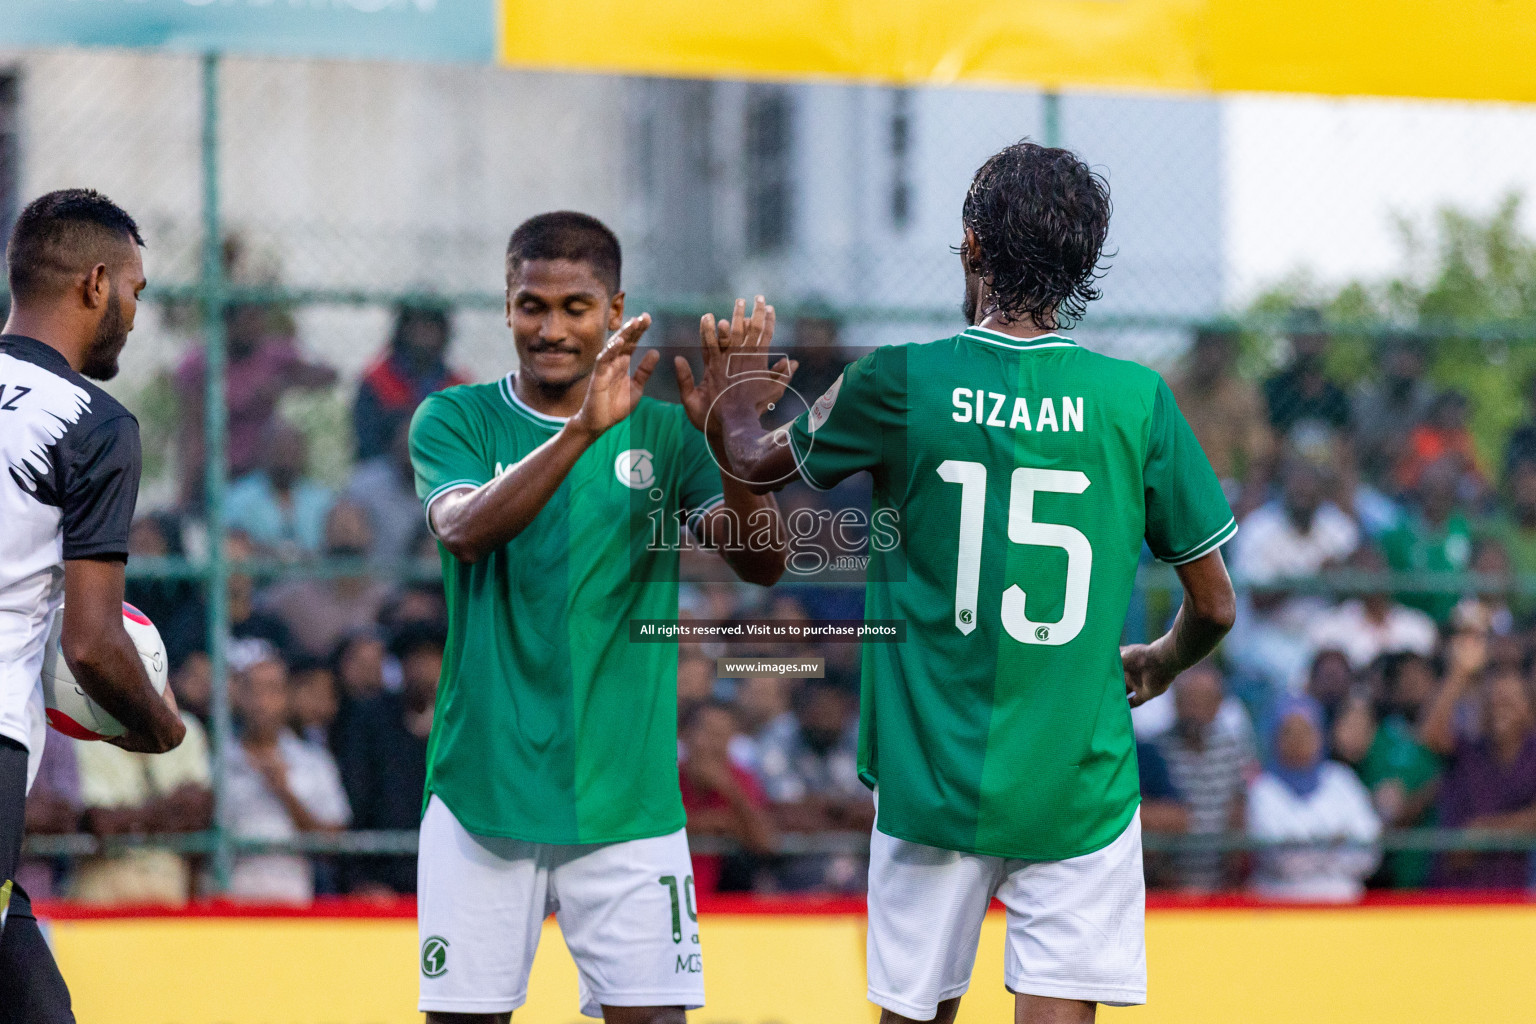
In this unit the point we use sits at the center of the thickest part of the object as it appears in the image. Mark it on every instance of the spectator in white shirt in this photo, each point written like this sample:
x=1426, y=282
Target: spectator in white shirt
x=1365, y=628
x=1302, y=797
x=762, y=707
x=1296, y=536
x=278, y=786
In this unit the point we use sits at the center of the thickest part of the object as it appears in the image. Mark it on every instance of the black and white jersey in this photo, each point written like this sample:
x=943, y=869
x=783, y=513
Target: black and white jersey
x=69, y=477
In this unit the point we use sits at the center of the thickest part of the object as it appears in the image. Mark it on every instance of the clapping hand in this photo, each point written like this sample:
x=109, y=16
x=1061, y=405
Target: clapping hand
x=737, y=378
x=612, y=392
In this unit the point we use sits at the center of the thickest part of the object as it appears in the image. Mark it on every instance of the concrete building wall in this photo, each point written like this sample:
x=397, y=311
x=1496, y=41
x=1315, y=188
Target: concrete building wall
x=847, y=247
x=344, y=175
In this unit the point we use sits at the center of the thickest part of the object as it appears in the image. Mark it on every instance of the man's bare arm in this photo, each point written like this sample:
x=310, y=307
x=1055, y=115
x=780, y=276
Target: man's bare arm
x=749, y=533
x=105, y=662
x=763, y=459
x=1168, y=816
x=1466, y=657
x=1207, y=614
x=472, y=523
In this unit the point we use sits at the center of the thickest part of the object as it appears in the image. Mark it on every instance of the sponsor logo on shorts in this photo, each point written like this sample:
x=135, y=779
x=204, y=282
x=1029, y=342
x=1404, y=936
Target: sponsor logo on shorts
x=689, y=964
x=434, y=956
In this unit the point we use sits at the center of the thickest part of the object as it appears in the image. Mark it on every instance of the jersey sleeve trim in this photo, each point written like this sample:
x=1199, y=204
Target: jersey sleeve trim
x=1206, y=546
x=438, y=491
x=452, y=485
x=800, y=463
x=105, y=552
x=100, y=489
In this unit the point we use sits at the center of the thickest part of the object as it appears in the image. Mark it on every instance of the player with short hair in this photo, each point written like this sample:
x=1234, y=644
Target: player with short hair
x=1025, y=472
x=552, y=779
x=68, y=484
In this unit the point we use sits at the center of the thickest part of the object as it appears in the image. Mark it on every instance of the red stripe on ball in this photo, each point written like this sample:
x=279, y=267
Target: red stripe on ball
x=71, y=728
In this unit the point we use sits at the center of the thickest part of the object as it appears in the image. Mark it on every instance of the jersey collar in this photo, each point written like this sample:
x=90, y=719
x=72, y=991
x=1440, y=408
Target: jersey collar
x=1001, y=340
x=518, y=405
x=40, y=353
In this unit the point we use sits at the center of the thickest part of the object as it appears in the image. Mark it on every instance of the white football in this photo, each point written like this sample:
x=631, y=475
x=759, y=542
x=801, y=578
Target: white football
x=70, y=711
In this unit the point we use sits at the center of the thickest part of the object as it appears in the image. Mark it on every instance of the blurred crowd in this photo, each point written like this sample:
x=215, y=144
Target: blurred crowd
x=1323, y=720
x=333, y=675
x=1334, y=720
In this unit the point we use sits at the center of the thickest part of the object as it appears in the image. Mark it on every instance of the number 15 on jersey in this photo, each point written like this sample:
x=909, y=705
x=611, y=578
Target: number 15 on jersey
x=1022, y=529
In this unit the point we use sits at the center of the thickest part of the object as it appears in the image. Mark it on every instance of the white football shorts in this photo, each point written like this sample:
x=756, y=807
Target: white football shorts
x=1076, y=928
x=627, y=912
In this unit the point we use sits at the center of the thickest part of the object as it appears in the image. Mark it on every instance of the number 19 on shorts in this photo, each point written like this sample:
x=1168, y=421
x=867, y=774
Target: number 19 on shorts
x=1022, y=529
x=680, y=901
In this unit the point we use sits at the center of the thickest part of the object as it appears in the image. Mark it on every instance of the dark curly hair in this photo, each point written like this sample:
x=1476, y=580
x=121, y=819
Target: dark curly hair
x=1040, y=217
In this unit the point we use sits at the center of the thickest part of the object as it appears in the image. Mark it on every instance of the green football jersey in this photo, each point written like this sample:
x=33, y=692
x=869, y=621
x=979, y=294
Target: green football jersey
x=1023, y=477
x=552, y=727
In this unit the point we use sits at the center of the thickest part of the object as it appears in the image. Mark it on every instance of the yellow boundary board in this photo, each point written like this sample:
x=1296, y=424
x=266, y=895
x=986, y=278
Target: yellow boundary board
x=1238, y=966
x=1468, y=49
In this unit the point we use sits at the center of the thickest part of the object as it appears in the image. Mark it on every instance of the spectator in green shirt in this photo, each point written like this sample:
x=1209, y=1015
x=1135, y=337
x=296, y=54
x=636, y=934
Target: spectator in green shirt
x=1435, y=536
x=1401, y=773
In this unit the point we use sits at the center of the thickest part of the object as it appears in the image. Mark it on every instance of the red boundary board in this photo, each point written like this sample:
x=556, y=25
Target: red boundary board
x=782, y=906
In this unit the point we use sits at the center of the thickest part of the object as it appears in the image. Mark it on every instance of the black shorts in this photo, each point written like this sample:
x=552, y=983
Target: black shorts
x=13, y=816
x=31, y=989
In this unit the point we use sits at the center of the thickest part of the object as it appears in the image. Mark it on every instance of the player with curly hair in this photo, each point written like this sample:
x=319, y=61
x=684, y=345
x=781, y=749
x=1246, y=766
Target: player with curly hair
x=1025, y=473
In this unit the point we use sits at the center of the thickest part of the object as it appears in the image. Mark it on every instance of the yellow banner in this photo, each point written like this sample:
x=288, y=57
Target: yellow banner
x=1471, y=49
x=1387, y=964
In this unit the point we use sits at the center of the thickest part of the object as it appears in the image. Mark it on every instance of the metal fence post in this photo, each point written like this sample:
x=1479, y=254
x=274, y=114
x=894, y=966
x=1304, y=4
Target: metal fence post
x=211, y=286
x=1050, y=116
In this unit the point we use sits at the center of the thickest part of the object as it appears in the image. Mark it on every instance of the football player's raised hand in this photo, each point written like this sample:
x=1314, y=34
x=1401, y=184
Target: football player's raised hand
x=736, y=370
x=612, y=392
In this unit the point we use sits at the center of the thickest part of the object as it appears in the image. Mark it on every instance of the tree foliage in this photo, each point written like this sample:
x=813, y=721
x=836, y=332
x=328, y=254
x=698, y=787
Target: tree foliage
x=1465, y=286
